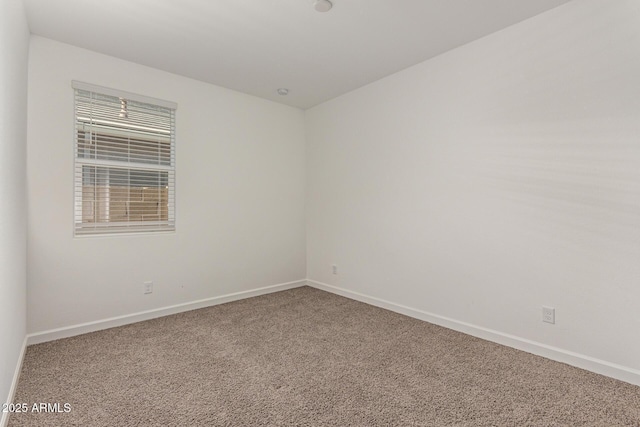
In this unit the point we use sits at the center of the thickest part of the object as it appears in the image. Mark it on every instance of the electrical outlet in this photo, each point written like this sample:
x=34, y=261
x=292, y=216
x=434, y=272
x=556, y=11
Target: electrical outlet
x=549, y=314
x=148, y=287
x=334, y=269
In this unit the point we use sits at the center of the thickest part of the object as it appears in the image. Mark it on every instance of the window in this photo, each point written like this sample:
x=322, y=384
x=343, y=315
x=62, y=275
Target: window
x=124, y=171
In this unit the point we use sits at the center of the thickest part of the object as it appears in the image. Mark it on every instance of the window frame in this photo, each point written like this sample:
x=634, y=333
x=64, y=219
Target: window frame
x=123, y=228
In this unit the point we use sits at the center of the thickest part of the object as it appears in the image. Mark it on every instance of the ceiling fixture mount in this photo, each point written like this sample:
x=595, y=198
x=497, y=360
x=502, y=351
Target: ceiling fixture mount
x=283, y=91
x=322, y=5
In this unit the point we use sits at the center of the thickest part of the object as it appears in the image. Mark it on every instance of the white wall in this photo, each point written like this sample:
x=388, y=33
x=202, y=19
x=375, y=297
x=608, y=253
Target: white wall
x=240, y=196
x=494, y=179
x=14, y=49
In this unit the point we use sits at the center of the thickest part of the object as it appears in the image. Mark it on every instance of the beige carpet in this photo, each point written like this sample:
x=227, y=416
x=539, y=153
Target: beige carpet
x=308, y=358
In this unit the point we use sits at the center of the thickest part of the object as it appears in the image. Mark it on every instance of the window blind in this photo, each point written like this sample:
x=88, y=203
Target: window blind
x=124, y=171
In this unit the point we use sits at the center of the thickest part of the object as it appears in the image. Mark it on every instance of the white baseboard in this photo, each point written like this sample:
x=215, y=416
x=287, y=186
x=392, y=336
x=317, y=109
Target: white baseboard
x=70, y=331
x=4, y=416
x=588, y=363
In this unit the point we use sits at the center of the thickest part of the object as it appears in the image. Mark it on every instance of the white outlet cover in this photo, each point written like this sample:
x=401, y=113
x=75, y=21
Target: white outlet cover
x=148, y=287
x=549, y=315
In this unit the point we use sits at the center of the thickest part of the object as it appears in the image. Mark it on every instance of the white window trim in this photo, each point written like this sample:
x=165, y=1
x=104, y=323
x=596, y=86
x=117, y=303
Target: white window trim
x=123, y=94
x=141, y=228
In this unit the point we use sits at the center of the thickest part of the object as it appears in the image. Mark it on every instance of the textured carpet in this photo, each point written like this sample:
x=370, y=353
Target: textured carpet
x=305, y=357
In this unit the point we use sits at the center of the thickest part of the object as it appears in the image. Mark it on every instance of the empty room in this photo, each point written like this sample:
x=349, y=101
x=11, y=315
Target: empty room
x=320, y=212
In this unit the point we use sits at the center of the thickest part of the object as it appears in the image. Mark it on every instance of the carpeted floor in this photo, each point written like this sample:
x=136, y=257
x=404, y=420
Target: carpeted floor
x=308, y=358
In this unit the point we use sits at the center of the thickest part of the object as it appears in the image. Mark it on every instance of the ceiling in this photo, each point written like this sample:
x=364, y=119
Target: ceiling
x=258, y=46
